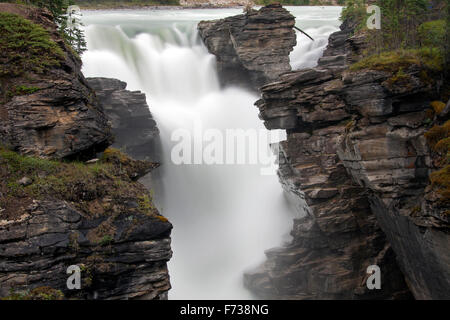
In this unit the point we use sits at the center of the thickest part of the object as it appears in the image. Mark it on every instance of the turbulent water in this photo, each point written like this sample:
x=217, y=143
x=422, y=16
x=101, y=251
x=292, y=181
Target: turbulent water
x=224, y=216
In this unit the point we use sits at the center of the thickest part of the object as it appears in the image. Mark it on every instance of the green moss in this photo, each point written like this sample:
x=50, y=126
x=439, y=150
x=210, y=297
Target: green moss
x=145, y=204
x=100, y=189
x=26, y=165
x=25, y=46
x=106, y=240
x=399, y=78
x=40, y=293
x=394, y=61
x=21, y=90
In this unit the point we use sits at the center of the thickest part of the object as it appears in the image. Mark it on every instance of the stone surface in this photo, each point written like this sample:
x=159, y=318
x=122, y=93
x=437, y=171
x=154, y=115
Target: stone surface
x=37, y=249
x=62, y=119
x=133, y=127
x=341, y=186
x=93, y=215
x=251, y=49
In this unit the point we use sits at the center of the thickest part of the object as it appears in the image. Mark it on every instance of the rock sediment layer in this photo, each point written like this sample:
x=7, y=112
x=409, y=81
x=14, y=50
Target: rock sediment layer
x=61, y=117
x=358, y=161
x=252, y=49
x=133, y=127
x=54, y=214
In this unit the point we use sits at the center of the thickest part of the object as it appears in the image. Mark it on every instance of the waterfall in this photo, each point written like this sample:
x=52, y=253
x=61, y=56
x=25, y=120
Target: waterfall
x=224, y=216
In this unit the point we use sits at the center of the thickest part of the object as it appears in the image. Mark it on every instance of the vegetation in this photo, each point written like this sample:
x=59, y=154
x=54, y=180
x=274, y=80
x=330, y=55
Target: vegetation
x=95, y=189
x=438, y=106
x=40, y=293
x=395, y=60
x=25, y=46
x=106, y=240
x=409, y=28
x=70, y=31
x=441, y=181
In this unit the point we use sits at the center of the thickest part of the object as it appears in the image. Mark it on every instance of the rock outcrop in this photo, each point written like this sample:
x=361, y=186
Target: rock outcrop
x=55, y=214
x=58, y=116
x=252, y=49
x=358, y=161
x=133, y=127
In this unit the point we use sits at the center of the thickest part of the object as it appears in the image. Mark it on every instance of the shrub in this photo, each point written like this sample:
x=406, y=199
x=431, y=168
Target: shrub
x=25, y=46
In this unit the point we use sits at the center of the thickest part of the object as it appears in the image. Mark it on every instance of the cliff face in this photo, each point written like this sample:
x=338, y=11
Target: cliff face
x=57, y=116
x=252, y=49
x=134, y=129
x=357, y=158
x=53, y=213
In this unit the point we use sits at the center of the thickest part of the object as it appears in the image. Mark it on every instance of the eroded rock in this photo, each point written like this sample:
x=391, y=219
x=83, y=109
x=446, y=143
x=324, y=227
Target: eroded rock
x=252, y=49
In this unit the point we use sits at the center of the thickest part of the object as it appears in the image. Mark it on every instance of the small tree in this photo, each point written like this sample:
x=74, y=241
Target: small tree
x=70, y=29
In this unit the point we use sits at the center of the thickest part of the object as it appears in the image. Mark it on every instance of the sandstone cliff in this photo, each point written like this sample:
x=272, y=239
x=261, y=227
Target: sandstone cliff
x=252, y=49
x=358, y=159
x=55, y=213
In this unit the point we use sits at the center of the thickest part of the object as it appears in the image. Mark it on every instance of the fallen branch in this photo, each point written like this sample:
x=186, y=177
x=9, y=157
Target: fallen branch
x=304, y=33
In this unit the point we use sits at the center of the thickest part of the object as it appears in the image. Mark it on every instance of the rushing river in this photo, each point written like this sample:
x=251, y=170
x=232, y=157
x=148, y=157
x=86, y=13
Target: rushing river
x=224, y=216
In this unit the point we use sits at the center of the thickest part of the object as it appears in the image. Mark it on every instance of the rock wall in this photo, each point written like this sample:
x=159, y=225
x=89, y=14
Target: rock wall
x=133, y=127
x=357, y=159
x=252, y=49
x=96, y=215
x=61, y=118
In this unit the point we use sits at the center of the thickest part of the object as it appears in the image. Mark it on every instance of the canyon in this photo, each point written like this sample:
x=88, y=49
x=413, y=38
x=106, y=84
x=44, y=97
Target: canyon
x=357, y=161
x=77, y=158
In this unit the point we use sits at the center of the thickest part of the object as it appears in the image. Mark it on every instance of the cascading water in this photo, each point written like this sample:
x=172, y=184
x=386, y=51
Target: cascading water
x=224, y=216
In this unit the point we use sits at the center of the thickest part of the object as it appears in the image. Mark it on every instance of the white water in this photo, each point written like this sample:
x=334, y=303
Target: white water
x=224, y=216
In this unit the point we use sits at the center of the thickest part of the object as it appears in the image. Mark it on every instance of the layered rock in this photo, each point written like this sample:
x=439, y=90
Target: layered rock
x=357, y=159
x=55, y=214
x=252, y=49
x=59, y=117
x=337, y=237
x=133, y=127
x=38, y=247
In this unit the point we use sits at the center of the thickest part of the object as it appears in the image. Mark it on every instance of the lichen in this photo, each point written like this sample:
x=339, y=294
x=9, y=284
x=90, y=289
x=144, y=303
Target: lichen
x=440, y=180
x=436, y=134
x=438, y=106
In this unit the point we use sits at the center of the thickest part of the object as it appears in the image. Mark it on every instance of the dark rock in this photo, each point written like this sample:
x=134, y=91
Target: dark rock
x=251, y=49
x=133, y=126
x=39, y=247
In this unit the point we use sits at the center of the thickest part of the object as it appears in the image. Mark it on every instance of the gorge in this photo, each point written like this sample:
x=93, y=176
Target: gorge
x=350, y=188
